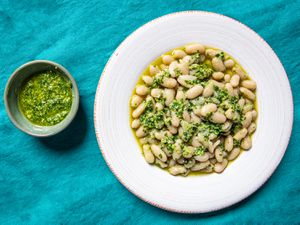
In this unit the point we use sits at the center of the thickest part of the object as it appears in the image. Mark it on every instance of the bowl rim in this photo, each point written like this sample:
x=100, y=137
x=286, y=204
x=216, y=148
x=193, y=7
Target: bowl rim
x=99, y=140
x=75, y=99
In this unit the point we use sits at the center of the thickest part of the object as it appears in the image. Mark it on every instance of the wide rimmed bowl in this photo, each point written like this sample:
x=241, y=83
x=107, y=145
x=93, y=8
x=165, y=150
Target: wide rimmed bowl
x=194, y=194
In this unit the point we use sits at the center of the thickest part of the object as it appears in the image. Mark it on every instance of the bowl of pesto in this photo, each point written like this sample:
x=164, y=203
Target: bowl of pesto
x=41, y=98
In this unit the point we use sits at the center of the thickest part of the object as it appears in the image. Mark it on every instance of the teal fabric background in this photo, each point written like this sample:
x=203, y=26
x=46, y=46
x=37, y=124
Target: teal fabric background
x=64, y=179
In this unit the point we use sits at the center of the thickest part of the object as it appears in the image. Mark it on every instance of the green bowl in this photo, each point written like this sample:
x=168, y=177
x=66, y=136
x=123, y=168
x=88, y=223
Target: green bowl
x=11, y=98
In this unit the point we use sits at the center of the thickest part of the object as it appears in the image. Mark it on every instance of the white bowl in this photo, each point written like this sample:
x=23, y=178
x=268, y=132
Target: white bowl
x=194, y=194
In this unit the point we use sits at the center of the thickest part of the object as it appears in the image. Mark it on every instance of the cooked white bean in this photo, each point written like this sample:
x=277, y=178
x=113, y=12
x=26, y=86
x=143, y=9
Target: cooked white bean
x=211, y=53
x=172, y=129
x=240, y=72
x=218, y=84
x=142, y=90
x=235, y=80
x=251, y=128
x=202, y=158
x=186, y=116
x=169, y=83
x=218, y=75
x=229, y=89
x=219, y=167
x=254, y=115
x=193, y=48
x=147, y=79
x=159, y=135
x=159, y=106
x=160, y=154
x=183, y=68
x=247, y=120
x=208, y=108
x=228, y=144
x=194, y=91
x=153, y=70
x=140, y=132
x=229, y=114
x=240, y=134
x=156, y=92
x=195, y=142
x=177, y=151
x=249, y=84
x=246, y=143
x=247, y=93
x=178, y=53
x=229, y=63
x=149, y=157
x=247, y=108
x=139, y=110
x=195, y=118
x=200, y=166
x=172, y=68
x=218, y=117
x=135, y=124
x=227, y=78
x=219, y=154
x=136, y=101
x=180, y=95
x=160, y=163
x=184, y=78
x=218, y=64
x=208, y=91
x=241, y=102
x=175, y=121
x=167, y=59
x=176, y=170
x=234, y=153
x=188, y=152
x=169, y=95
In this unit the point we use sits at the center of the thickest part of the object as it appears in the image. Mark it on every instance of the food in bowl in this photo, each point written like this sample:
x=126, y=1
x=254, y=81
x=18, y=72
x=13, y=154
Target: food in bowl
x=45, y=98
x=194, y=110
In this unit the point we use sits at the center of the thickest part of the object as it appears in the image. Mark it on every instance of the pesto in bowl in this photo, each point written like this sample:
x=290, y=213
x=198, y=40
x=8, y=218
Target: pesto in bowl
x=45, y=98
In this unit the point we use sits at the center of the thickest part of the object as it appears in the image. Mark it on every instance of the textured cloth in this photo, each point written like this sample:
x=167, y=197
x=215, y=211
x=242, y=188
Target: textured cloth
x=64, y=179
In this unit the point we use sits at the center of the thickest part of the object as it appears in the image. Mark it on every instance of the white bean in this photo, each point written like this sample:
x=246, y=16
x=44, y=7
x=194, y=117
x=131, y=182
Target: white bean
x=240, y=134
x=177, y=151
x=194, y=118
x=139, y=110
x=218, y=75
x=160, y=154
x=219, y=155
x=248, y=119
x=160, y=163
x=186, y=116
x=153, y=70
x=183, y=78
x=149, y=157
x=208, y=90
x=159, y=106
x=229, y=63
x=172, y=129
x=183, y=68
x=219, y=167
x=218, y=117
x=169, y=83
x=208, y=108
x=180, y=95
x=241, y=102
x=156, y=92
x=178, y=169
x=249, y=84
x=229, y=89
x=234, y=153
x=175, y=121
x=251, y=128
x=148, y=80
x=235, y=80
x=193, y=48
x=140, y=132
x=246, y=143
x=218, y=64
x=178, y=53
x=247, y=93
x=194, y=91
x=135, y=124
x=240, y=72
x=136, y=101
x=254, y=115
x=202, y=158
x=211, y=53
x=227, y=78
x=172, y=67
x=228, y=144
x=195, y=142
x=169, y=94
x=167, y=59
x=218, y=84
x=200, y=166
x=142, y=90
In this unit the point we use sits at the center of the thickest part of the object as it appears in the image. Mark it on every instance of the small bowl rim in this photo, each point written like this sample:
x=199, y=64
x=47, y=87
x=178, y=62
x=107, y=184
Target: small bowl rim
x=75, y=99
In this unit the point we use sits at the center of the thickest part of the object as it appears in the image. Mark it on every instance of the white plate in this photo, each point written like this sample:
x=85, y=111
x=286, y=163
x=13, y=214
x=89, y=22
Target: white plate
x=195, y=194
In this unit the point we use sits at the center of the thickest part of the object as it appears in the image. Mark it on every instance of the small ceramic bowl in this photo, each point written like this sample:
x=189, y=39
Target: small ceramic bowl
x=11, y=98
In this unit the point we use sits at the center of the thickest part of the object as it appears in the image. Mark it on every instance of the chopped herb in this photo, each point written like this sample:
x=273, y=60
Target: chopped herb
x=152, y=120
x=199, y=150
x=177, y=106
x=236, y=143
x=202, y=71
x=220, y=55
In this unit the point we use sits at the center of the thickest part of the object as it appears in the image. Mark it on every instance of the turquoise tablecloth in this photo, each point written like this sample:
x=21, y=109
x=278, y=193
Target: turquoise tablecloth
x=64, y=179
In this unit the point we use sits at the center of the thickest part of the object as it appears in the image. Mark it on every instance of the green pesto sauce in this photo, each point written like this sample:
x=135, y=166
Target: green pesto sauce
x=45, y=98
